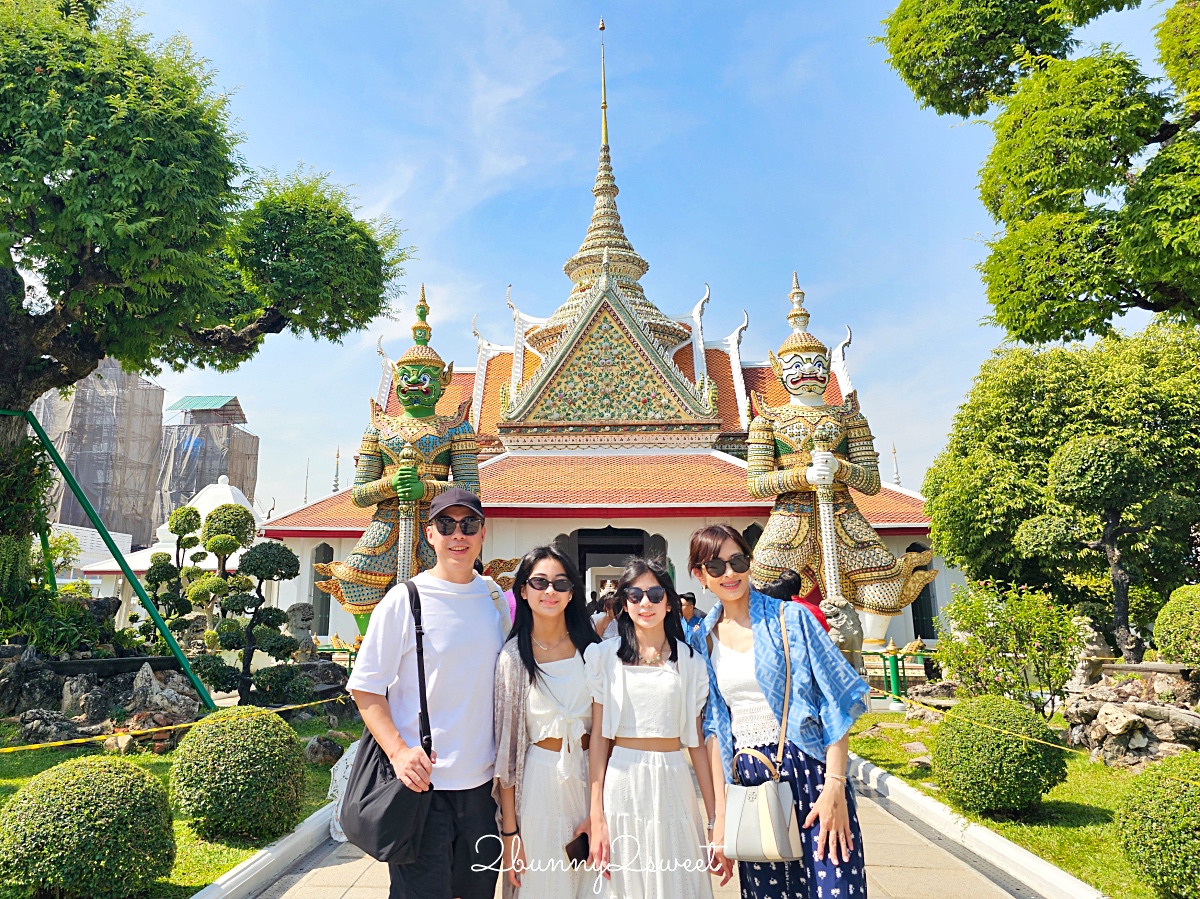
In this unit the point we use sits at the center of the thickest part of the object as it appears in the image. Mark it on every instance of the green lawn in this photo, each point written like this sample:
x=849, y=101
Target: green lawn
x=197, y=861
x=1073, y=828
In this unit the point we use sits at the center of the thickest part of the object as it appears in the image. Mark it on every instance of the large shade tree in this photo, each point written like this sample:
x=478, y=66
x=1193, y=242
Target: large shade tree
x=1094, y=176
x=1078, y=467
x=130, y=226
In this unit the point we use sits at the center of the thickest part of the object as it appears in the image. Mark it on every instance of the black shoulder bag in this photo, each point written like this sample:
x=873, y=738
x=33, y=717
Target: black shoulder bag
x=380, y=815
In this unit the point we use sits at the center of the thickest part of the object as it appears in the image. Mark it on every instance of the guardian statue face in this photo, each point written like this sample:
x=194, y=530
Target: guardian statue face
x=804, y=374
x=419, y=387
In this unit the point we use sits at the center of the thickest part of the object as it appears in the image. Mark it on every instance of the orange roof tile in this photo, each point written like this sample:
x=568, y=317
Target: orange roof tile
x=719, y=369
x=532, y=361
x=499, y=371
x=563, y=483
x=683, y=359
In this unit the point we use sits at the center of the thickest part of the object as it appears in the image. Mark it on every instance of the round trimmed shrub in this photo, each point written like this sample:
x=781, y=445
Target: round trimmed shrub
x=239, y=773
x=1177, y=628
x=1159, y=824
x=987, y=766
x=95, y=826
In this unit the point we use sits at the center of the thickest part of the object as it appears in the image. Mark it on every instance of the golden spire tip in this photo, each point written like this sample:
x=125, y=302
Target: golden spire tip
x=603, y=92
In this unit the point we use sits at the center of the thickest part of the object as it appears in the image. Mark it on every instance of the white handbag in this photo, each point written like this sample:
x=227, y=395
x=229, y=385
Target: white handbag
x=760, y=821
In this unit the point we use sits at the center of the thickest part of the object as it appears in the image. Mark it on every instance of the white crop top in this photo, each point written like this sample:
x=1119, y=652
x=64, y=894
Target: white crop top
x=560, y=706
x=647, y=701
x=751, y=719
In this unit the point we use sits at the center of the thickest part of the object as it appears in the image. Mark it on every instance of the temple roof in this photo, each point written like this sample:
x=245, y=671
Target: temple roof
x=567, y=485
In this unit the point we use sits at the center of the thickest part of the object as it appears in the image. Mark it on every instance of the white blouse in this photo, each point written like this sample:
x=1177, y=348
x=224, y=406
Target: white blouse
x=560, y=707
x=751, y=718
x=647, y=701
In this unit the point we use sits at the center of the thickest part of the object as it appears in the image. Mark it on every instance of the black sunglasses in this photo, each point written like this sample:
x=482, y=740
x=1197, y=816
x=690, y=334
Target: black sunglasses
x=446, y=525
x=654, y=594
x=739, y=562
x=560, y=585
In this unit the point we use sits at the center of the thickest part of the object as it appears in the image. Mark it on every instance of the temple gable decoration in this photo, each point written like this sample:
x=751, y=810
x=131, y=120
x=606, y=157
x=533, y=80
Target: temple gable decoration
x=608, y=376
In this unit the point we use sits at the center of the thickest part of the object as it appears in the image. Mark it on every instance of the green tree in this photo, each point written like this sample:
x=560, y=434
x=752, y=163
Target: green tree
x=130, y=226
x=227, y=528
x=1017, y=643
x=1023, y=492
x=64, y=553
x=261, y=564
x=1094, y=175
x=1104, y=496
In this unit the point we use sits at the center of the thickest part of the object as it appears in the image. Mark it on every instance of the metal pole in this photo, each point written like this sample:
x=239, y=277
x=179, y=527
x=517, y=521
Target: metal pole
x=44, y=535
x=147, y=604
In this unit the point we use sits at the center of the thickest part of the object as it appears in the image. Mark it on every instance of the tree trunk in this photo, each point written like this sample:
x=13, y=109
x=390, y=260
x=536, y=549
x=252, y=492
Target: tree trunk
x=247, y=657
x=1130, y=644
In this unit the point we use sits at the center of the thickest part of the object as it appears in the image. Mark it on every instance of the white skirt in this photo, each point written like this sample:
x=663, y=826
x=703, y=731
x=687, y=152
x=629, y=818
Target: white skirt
x=654, y=826
x=550, y=811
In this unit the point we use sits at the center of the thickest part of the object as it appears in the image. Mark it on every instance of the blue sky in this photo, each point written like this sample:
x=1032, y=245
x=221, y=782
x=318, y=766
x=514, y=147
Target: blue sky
x=748, y=141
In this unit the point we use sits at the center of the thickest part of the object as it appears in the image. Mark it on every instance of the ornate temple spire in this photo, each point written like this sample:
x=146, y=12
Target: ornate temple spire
x=800, y=341
x=895, y=466
x=605, y=233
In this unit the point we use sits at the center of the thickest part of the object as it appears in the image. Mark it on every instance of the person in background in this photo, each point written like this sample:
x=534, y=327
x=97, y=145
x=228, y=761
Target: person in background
x=742, y=640
x=463, y=632
x=605, y=618
x=787, y=589
x=543, y=713
x=691, y=616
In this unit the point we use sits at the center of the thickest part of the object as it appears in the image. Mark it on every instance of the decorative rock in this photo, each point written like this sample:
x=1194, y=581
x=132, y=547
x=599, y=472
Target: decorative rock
x=42, y=689
x=45, y=726
x=873, y=732
x=1138, y=740
x=921, y=761
x=338, y=734
x=1116, y=720
x=95, y=706
x=946, y=689
x=73, y=691
x=322, y=751
x=121, y=743
x=915, y=748
x=928, y=716
x=150, y=695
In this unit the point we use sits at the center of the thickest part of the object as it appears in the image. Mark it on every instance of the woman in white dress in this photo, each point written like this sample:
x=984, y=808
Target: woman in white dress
x=543, y=713
x=648, y=690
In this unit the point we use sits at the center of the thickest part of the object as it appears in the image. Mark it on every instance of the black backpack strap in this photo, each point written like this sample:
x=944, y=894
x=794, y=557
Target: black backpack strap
x=414, y=603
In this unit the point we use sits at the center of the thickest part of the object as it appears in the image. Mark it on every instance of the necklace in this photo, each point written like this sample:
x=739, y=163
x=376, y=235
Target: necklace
x=544, y=648
x=656, y=656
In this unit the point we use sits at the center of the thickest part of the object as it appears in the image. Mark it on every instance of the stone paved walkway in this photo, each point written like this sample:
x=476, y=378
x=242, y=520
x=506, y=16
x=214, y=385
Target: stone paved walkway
x=901, y=864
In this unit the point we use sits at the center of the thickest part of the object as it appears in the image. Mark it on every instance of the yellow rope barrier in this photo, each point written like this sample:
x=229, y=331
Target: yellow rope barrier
x=948, y=713
x=156, y=730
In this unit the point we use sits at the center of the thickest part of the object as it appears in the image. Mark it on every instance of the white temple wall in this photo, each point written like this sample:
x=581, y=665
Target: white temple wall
x=510, y=538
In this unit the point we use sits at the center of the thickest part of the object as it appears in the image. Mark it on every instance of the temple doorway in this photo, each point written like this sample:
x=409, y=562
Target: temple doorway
x=604, y=550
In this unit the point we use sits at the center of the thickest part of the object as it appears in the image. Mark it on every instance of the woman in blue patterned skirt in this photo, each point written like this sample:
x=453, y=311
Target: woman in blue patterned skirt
x=742, y=640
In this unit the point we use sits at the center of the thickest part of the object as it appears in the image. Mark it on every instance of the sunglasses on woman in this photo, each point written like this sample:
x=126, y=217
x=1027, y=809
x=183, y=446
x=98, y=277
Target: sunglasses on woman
x=446, y=525
x=560, y=585
x=739, y=562
x=634, y=595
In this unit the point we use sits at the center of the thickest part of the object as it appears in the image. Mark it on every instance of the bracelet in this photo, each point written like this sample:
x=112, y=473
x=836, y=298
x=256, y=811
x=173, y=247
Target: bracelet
x=504, y=833
x=841, y=777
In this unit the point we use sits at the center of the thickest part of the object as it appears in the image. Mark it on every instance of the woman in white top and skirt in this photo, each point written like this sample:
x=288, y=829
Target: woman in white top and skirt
x=648, y=689
x=543, y=712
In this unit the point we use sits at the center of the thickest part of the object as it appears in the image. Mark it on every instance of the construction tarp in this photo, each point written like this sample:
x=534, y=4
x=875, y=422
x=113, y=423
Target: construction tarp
x=108, y=431
x=192, y=456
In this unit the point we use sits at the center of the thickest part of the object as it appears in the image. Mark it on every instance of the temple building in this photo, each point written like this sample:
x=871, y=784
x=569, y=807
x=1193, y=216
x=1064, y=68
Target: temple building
x=611, y=429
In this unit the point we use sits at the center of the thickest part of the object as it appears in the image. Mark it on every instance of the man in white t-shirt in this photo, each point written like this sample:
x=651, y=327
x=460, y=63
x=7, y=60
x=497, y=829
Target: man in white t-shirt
x=463, y=637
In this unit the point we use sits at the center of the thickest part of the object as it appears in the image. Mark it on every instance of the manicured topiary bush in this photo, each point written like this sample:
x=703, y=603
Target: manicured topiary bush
x=1177, y=628
x=1160, y=825
x=239, y=773
x=90, y=827
x=983, y=764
